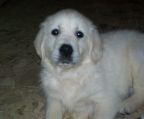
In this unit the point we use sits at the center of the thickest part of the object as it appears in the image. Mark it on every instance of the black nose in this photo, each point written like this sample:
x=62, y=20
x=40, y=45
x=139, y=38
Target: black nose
x=66, y=50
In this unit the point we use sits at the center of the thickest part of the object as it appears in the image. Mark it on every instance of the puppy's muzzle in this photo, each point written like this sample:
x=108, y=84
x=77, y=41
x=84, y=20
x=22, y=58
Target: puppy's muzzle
x=66, y=52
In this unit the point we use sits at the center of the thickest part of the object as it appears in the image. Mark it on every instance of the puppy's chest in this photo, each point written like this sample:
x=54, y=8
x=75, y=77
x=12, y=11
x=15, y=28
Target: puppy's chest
x=69, y=85
x=72, y=87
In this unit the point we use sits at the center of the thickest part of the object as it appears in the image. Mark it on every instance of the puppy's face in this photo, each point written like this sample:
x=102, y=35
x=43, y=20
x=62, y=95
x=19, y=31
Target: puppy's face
x=67, y=38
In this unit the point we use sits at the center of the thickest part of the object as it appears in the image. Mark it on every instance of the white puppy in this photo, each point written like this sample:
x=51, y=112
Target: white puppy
x=87, y=73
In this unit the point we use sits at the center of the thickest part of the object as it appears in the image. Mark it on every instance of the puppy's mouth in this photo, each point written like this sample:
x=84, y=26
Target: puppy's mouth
x=65, y=60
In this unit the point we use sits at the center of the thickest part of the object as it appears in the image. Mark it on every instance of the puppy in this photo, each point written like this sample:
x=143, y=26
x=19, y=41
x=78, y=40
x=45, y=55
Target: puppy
x=91, y=75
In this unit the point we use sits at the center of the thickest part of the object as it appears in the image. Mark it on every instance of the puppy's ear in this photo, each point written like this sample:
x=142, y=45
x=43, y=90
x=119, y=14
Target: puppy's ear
x=39, y=41
x=96, y=46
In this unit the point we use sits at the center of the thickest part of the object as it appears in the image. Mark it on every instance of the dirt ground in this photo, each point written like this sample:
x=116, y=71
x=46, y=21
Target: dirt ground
x=20, y=94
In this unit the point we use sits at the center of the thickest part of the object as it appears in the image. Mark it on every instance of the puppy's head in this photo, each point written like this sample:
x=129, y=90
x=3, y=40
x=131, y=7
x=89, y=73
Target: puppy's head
x=67, y=38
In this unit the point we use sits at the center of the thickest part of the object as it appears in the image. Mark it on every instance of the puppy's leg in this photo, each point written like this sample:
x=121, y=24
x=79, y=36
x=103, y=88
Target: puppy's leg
x=136, y=56
x=137, y=99
x=132, y=103
x=54, y=109
x=106, y=109
x=80, y=115
x=84, y=110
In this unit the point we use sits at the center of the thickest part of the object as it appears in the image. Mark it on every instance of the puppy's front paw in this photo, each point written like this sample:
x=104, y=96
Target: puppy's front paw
x=126, y=108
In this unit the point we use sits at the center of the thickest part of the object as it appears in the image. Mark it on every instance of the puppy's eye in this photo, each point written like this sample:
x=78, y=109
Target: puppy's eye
x=55, y=32
x=79, y=34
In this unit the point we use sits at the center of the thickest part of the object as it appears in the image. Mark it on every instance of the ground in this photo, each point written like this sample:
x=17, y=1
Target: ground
x=21, y=96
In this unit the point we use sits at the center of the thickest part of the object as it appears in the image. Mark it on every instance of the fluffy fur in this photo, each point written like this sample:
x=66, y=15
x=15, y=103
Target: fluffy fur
x=104, y=74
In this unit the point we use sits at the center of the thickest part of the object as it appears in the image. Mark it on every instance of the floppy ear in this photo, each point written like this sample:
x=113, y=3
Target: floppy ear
x=39, y=42
x=96, y=46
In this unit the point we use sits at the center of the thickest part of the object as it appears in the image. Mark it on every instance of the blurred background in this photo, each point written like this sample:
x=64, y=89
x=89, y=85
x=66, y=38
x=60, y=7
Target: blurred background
x=21, y=96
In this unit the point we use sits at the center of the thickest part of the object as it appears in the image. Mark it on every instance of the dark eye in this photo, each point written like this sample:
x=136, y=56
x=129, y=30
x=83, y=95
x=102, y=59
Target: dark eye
x=55, y=32
x=79, y=34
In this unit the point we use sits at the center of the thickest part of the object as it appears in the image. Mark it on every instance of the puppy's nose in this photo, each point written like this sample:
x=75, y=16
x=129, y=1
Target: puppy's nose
x=66, y=50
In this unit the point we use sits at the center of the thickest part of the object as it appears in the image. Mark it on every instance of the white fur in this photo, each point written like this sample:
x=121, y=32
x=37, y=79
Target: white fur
x=106, y=75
